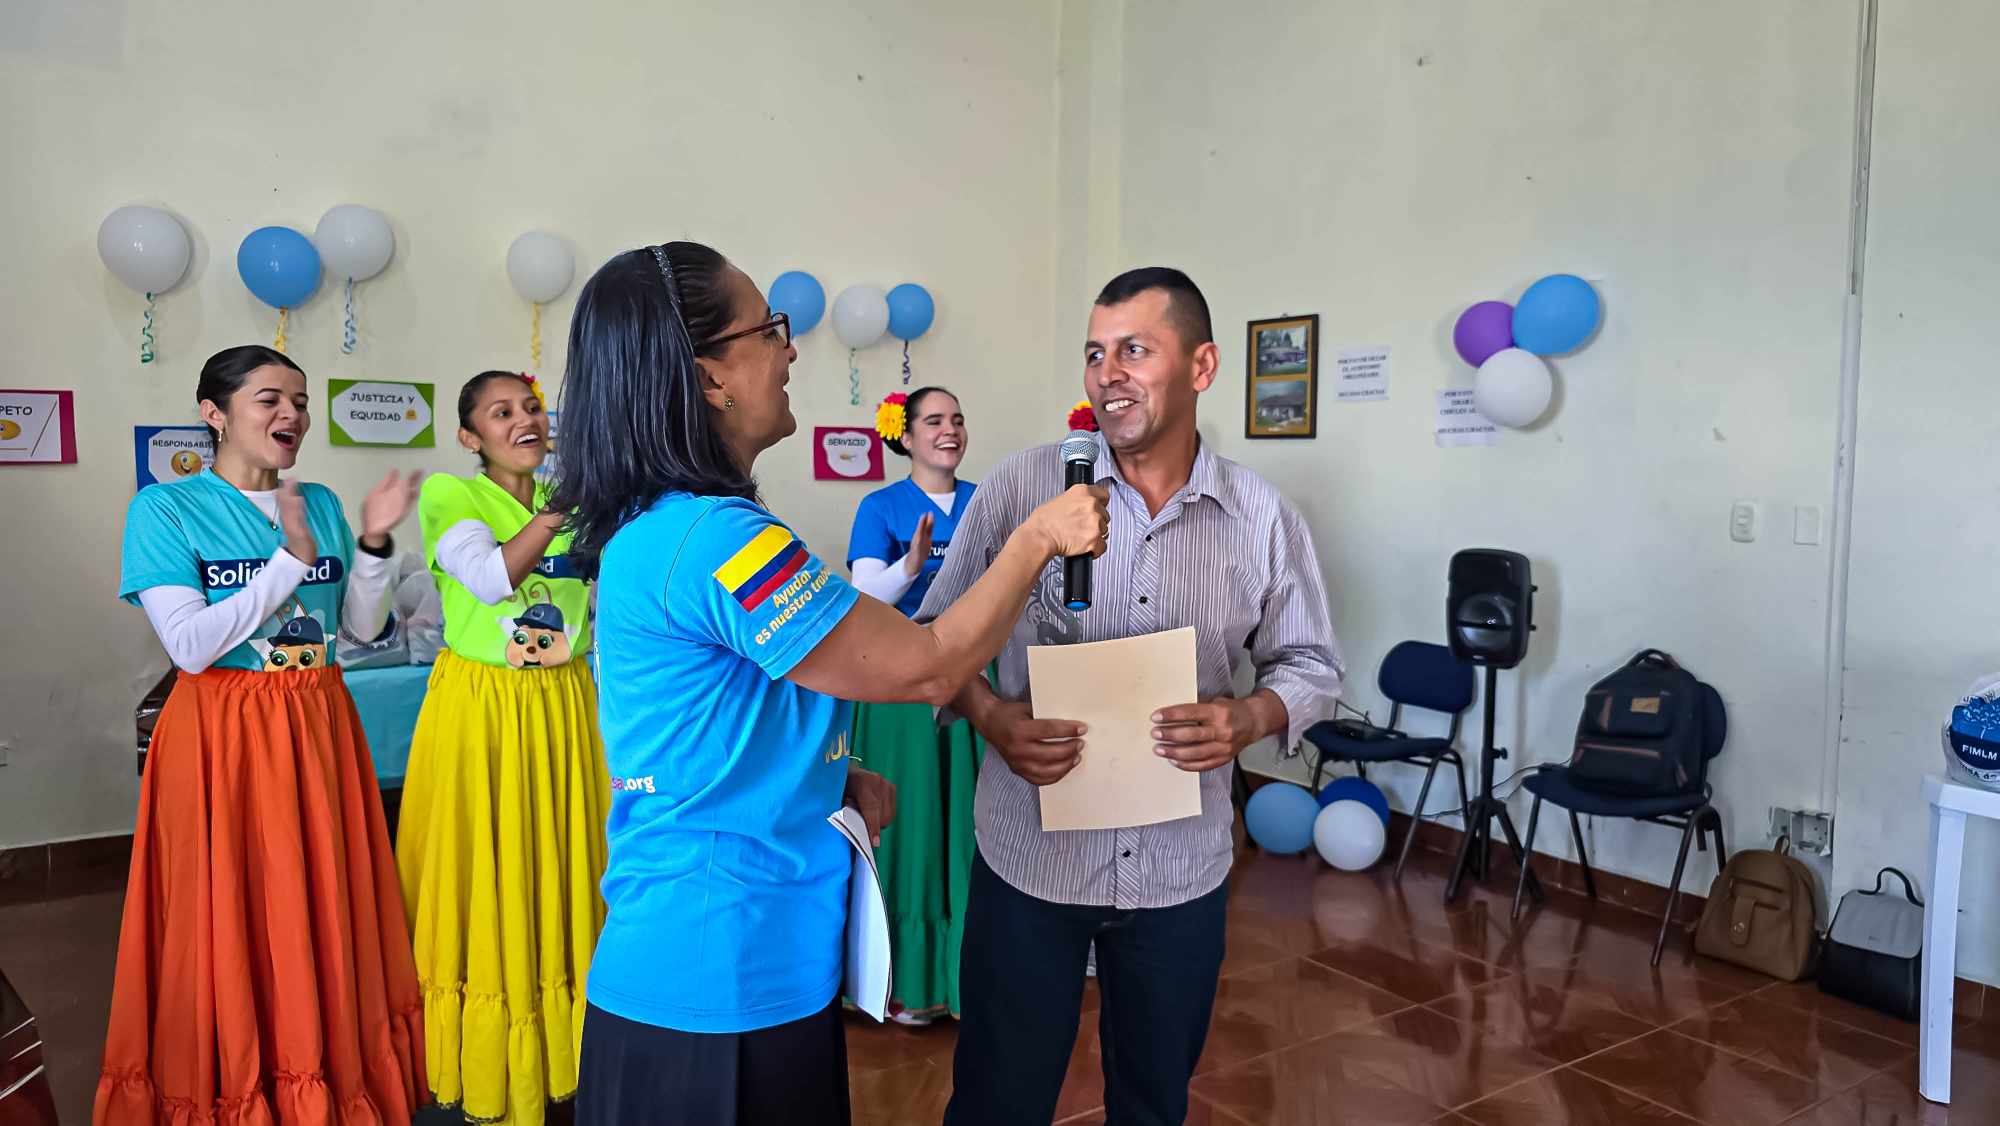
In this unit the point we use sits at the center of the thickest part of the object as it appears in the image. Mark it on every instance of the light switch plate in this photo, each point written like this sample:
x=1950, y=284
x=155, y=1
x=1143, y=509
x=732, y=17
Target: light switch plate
x=1805, y=524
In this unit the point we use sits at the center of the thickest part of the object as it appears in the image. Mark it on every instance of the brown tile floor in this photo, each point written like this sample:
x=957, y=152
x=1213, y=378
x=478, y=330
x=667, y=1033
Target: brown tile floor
x=1345, y=999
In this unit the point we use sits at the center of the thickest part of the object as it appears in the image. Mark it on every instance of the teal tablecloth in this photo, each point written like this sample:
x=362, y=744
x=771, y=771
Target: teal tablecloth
x=389, y=700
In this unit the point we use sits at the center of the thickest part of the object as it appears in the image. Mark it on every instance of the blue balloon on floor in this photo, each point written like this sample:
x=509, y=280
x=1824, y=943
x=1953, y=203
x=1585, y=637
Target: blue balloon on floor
x=1556, y=315
x=1279, y=817
x=1356, y=789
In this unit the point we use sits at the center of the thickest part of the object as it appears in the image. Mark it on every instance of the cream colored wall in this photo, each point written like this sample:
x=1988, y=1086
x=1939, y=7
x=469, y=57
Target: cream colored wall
x=874, y=142
x=1385, y=165
x=1924, y=619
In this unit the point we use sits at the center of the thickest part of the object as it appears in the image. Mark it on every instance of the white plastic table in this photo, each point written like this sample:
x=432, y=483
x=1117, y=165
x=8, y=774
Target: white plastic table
x=1950, y=802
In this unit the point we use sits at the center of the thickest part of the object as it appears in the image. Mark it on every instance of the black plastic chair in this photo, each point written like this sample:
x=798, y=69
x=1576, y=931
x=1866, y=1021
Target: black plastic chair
x=1691, y=813
x=1415, y=674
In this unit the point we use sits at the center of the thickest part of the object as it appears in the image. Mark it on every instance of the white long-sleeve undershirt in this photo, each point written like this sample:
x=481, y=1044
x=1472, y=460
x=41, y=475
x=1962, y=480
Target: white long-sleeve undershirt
x=469, y=553
x=197, y=634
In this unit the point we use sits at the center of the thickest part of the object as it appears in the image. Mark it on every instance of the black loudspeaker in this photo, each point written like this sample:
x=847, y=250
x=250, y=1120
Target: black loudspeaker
x=1489, y=607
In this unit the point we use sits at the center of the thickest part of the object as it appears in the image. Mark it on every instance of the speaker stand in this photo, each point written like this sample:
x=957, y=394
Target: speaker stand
x=1483, y=810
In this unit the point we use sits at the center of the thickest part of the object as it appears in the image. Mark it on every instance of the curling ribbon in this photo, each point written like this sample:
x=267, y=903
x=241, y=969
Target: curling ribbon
x=146, y=334
x=853, y=380
x=279, y=343
x=347, y=333
x=535, y=334
x=906, y=363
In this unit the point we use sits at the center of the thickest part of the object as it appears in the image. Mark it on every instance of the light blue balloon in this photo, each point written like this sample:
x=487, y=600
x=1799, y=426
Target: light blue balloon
x=799, y=296
x=279, y=266
x=1279, y=817
x=1556, y=315
x=910, y=311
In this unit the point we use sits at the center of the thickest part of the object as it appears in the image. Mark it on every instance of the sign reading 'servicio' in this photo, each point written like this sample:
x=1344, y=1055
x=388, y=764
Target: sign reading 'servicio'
x=370, y=412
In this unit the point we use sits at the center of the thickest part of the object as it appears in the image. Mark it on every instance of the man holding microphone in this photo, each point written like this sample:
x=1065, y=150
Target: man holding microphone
x=1196, y=540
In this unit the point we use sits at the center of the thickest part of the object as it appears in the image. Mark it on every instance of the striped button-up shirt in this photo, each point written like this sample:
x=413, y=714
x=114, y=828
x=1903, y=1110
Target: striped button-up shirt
x=1227, y=555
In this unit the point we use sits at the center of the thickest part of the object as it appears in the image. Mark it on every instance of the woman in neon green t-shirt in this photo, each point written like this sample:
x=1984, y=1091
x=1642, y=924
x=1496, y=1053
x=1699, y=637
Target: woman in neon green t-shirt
x=501, y=844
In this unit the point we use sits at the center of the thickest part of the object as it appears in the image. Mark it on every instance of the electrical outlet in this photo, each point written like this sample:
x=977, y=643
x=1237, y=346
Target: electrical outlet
x=1810, y=830
x=1743, y=521
x=6, y=752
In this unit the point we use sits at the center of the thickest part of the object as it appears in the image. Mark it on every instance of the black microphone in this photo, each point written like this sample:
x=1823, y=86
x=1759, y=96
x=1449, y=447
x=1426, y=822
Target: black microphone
x=1079, y=454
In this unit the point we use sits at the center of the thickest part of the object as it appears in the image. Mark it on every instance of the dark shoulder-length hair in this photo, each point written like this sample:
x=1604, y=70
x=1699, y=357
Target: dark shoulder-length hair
x=635, y=424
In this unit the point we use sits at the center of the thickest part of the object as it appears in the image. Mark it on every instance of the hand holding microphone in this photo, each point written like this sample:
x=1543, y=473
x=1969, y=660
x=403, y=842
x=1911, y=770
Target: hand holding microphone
x=1076, y=522
x=1079, y=454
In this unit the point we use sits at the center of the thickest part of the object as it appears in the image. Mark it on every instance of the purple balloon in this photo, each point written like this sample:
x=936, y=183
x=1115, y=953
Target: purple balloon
x=1482, y=330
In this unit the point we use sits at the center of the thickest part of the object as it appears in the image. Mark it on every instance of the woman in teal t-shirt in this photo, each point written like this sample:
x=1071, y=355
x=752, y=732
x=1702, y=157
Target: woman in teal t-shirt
x=264, y=970
x=727, y=651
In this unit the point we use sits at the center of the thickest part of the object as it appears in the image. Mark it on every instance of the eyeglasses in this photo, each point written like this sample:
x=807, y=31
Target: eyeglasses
x=779, y=322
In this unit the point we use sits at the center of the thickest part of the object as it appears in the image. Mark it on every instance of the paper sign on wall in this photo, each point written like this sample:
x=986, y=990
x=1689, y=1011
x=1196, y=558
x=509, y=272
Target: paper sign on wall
x=169, y=453
x=1459, y=423
x=1362, y=375
x=846, y=453
x=379, y=413
x=37, y=428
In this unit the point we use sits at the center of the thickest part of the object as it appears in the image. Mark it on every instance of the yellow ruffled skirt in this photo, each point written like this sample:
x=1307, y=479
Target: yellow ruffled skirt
x=500, y=849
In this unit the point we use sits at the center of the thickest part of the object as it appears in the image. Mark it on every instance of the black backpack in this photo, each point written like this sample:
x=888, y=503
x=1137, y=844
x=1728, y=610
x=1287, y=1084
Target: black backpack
x=1648, y=730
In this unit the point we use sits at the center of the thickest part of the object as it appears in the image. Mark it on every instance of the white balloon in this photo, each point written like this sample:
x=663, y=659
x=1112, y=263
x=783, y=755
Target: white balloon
x=354, y=242
x=1349, y=835
x=1512, y=388
x=145, y=247
x=860, y=315
x=540, y=266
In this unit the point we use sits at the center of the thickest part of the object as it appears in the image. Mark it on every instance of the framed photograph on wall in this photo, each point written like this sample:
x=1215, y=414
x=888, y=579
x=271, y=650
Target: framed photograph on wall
x=1281, y=396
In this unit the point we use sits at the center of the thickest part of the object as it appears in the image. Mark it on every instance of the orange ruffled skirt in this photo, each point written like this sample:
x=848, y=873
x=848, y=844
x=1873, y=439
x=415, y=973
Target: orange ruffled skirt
x=264, y=968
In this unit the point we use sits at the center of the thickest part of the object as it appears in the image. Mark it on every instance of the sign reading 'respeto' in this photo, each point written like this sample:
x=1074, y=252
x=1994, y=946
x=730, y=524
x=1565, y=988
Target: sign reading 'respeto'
x=377, y=413
x=846, y=453
x=37, y=428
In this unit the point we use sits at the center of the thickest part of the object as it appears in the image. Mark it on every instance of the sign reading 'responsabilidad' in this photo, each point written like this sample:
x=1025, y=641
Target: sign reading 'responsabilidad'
x=370, y=412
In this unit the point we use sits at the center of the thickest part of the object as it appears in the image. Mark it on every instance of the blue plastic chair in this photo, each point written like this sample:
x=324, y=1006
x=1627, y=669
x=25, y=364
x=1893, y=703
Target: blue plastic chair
x=1415, y=674
x=1691, y=813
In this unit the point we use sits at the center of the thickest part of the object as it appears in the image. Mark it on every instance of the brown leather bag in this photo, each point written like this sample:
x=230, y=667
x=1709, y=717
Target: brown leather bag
x=1762, y=914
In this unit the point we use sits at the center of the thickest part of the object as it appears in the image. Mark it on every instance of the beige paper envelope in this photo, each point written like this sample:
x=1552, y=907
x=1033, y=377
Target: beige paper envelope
x=1113, y=688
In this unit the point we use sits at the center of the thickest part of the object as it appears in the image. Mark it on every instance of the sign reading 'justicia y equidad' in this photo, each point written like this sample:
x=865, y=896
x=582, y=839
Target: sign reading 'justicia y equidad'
x=378, y=413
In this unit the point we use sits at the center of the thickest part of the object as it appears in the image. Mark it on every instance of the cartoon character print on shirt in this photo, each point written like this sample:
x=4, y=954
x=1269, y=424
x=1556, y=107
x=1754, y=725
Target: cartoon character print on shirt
x=299, y=645
x=538, y=637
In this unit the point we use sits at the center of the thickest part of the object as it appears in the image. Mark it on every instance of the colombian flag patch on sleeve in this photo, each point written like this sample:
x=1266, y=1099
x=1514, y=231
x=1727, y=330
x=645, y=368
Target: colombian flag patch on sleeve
x=761, y=566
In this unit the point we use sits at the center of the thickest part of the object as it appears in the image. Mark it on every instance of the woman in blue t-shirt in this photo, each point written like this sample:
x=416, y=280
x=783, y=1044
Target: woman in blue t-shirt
x=726, y=654
x=901, y=533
